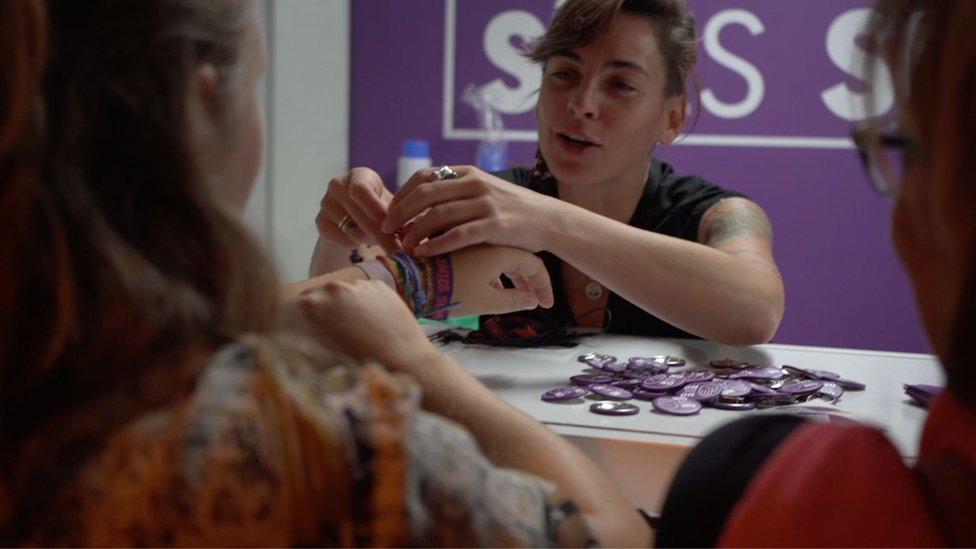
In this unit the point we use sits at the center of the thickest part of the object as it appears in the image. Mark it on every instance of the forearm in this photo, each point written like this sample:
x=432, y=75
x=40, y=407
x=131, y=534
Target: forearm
x=512, y=439
x=731, y=296
x=327, y=257
x=292, y=289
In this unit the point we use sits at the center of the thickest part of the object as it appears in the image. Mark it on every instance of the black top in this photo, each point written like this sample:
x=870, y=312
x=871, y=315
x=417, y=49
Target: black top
x=671, y=204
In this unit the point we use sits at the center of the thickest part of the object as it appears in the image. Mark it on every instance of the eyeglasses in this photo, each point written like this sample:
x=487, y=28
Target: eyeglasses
x=883, y=150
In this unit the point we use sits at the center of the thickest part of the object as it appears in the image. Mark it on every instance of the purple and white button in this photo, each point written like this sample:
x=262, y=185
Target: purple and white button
x=614, y=408
x=678, y=406
x=611, y=391
x=590, y=379
x=801, y=387
x=564, y=393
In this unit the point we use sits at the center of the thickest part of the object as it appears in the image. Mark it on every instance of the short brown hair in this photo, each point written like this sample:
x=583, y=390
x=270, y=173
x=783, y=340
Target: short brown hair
x=580, y=22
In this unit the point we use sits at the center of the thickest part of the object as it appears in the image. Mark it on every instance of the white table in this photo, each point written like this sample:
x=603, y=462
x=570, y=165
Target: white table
x=641, y=452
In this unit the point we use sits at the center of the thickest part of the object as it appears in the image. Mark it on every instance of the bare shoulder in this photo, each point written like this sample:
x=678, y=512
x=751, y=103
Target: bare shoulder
x=734, y=219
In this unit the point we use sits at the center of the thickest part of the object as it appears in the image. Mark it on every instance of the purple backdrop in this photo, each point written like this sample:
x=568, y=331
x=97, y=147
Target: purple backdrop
x=779, y=98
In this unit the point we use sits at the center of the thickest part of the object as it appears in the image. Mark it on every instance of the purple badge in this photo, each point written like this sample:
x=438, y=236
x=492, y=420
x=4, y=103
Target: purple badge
x=668, y=360
x=922, y=394
x=677, y=406
x=610, y=391
x=761, y=390
x=801, y=387
x=614, y=408
x=664, y=382
x=629, y=384
x=758, y=372
x=590, y=379
x=596, y=360
x=810, y=373
x=849, y=384
x=564, y=393
x=734, y=388
x=732, y=404
x=831, y=391
x=702, y=392
x=645, y=394
x=698, y=376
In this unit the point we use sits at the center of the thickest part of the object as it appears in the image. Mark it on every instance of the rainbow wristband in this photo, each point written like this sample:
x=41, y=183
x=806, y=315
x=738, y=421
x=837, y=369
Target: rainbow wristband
x=443, y=287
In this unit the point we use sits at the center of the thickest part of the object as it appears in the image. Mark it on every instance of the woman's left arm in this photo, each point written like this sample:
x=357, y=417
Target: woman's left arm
x=726, y=287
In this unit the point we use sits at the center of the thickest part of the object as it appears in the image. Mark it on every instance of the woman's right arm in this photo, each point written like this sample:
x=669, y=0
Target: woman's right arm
x=507, y=436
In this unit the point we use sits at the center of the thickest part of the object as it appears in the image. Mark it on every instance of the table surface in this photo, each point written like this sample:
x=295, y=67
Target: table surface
x=651, y=444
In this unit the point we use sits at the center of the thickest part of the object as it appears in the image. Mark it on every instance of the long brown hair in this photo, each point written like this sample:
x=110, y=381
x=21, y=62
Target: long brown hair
x=932, y=52
x=580, y=22
x=129, y=269
x=22, y=51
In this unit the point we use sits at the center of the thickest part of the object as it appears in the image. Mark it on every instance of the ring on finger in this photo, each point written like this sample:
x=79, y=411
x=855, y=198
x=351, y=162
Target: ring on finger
x=347, y=225
x=444, y=172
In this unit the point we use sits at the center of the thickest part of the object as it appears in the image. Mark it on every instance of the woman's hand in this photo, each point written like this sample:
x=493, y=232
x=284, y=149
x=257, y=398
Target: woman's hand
x=361, y=195
x=474, y=208
x=366, y=320
x=479, y=290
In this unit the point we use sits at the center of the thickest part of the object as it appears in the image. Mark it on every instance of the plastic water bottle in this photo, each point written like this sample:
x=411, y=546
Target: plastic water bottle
x=414, y=155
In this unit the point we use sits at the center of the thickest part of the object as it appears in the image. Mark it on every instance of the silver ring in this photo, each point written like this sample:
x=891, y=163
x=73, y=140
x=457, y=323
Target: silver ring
x=347, y=225
x=444, y=172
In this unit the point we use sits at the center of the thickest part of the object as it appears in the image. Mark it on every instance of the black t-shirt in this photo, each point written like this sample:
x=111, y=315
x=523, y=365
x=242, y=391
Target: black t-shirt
x=671, y=204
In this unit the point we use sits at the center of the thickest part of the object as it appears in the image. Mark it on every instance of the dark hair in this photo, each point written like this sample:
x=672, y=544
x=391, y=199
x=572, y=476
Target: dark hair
x=580, y=22
x=130, y=270
x=930, y=47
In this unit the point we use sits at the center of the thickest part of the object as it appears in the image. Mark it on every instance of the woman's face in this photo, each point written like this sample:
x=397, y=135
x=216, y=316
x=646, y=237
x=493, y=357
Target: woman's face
x=243, y=133
x=923, y=235
x=602, y=107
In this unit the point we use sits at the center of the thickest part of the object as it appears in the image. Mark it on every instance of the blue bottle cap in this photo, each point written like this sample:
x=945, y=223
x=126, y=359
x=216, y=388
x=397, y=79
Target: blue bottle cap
x=614, y=408
x=564, y=393
x=416, y=148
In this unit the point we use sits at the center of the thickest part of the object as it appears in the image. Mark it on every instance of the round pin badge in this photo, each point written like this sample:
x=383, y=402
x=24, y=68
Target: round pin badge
x=560, y=394
x=728, y=363
x=645, y=394
x=831, y=391
x=732, y=404
x=758, y=373
x=701, y=392
x=596, y=360
x=734, y=388
x=611, y=391
x=669, y=361
x=614, y=408
x=590, y=379
x=801, y=387
x=662, y=382
x=677, y=406
x=849, y=384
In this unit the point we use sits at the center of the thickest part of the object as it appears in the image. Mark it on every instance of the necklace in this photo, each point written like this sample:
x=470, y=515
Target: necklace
x=593, y=290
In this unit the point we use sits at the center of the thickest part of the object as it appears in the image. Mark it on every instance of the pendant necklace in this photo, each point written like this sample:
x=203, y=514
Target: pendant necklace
x=593, y=290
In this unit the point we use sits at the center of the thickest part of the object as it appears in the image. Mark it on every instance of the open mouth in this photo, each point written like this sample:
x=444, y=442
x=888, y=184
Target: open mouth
x=576, y=142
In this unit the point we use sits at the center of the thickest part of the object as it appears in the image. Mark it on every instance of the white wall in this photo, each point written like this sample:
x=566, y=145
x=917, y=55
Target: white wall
x=307, y=98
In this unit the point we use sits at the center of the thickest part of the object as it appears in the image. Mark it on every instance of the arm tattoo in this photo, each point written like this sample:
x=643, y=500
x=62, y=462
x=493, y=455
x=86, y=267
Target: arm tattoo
x=734, y=218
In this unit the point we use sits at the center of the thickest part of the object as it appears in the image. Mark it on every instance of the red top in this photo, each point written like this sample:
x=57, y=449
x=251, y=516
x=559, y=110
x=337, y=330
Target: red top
x=846, y=485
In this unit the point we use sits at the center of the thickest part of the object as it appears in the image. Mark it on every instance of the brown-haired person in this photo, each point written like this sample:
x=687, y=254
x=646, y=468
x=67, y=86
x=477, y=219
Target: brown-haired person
x=628, y=242
x=159, y=393
x=786, y=483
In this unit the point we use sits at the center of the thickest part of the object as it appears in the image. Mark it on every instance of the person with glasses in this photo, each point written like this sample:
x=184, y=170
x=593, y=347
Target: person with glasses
x=631, y=245
x=779, y=481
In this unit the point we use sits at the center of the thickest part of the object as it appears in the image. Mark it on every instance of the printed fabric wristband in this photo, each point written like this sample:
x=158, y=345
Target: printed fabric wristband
x=443, y=287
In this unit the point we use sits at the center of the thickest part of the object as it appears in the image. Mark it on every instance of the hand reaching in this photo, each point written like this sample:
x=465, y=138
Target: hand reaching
x=476, y=208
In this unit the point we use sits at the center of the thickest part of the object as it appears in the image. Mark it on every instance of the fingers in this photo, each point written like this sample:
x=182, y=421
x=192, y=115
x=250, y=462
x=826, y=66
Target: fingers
x=528, y=273
x=358, y=201
x=421, y=192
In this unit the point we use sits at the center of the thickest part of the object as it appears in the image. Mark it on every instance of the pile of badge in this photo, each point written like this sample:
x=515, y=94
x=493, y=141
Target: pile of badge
x=728, y=384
